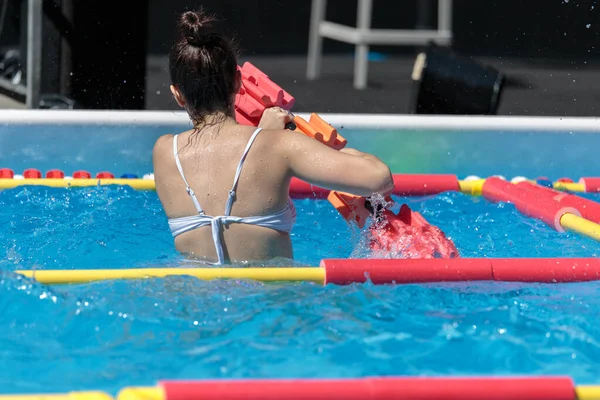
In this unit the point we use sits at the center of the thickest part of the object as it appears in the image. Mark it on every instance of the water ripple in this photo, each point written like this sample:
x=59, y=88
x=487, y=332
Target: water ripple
x=110, y=334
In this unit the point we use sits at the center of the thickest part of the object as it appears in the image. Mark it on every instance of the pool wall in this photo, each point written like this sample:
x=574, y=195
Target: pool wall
x=121, y=141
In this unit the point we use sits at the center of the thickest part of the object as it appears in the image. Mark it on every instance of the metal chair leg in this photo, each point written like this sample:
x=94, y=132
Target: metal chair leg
x=361, y=60
x=315, y=40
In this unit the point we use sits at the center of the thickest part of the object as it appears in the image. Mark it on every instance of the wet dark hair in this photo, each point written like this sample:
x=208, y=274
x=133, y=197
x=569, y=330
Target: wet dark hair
x=203, y=66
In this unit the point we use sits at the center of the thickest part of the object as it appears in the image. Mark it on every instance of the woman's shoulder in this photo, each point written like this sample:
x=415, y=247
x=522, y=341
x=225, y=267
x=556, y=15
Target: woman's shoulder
x=163, y=140
x=161, y=145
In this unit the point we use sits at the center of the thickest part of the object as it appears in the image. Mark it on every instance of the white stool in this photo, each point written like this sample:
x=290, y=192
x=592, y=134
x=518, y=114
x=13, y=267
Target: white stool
x=363, y=36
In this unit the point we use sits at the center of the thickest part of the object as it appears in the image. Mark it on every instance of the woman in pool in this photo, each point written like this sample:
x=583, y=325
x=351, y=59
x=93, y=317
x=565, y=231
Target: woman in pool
x=225, y=186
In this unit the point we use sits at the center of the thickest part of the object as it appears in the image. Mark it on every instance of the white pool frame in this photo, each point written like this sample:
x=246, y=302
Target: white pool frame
x=348, y=121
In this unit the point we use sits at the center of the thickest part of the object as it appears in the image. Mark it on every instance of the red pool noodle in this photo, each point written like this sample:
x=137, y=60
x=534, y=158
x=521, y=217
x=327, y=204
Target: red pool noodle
x=404, y=185
x=378, y=388
x=383, y=271
x=424, y=184
x=587, y=208
x=542, y=208
x=591, y=184
x=546, y=270
x=300, y=189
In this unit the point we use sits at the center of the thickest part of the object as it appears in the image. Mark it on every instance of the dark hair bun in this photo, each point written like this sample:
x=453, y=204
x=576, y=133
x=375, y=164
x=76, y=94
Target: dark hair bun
x=196, y=27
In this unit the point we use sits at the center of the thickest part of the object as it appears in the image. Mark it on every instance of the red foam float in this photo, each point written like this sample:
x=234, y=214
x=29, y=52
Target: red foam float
x=546, y=270
x=32, y=173
x=424, y=184
x=300, y=189
x=6, y=173
x=81, y=175
x=409, y=235
x=257, y=93
x=377, y=388
x=527, y=202
x=104, y=175
x=587, y=208
x=404, y=185
x=591, y=184
x=55, y=174
x=401, y=271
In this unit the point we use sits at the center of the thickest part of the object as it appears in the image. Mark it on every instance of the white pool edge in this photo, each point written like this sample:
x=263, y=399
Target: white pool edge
x=349, y=121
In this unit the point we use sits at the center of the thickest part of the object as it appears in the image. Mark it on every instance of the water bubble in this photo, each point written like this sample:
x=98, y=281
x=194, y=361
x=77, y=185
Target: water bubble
x=588, y=26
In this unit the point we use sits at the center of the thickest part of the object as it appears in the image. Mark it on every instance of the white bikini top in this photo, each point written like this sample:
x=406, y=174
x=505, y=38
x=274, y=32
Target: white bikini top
x=283, y=220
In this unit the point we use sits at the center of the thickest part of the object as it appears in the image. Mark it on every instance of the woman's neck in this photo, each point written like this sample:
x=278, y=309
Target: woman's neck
x=218, y=118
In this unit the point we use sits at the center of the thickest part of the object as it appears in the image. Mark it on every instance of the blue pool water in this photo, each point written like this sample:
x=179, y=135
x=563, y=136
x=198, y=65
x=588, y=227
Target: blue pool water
x=128, y=148
x=112, y=334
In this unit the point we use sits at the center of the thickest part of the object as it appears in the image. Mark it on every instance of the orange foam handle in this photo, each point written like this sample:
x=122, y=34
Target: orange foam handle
x=320, y=130
x=351, y=207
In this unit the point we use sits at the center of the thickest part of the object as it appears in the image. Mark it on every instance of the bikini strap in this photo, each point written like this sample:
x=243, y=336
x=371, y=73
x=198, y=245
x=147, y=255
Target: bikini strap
x=231, y=197
x=187, y=186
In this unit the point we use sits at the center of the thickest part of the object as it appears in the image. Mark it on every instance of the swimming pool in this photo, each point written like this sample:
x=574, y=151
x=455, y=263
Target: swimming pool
x=108, y=335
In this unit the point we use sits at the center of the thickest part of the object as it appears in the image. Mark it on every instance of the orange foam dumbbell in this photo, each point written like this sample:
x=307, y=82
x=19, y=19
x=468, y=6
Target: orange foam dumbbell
x=350, y=206
x=320, y=130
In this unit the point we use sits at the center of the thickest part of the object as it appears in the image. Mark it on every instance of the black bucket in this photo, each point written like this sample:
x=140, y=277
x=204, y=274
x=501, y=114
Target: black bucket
x=446, y=83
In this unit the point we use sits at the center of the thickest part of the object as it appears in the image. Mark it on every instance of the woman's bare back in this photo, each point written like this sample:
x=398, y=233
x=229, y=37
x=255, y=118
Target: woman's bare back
x=209, y=159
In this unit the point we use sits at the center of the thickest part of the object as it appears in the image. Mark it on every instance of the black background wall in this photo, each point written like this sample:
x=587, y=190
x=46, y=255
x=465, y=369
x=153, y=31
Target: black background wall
x=107, y=64
x=529, y=29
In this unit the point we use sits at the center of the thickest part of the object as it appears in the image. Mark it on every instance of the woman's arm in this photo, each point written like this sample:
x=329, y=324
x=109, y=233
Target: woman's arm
x=347, y=170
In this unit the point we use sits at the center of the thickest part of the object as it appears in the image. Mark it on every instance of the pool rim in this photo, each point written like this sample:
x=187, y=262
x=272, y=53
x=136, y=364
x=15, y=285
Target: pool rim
x=525, y=124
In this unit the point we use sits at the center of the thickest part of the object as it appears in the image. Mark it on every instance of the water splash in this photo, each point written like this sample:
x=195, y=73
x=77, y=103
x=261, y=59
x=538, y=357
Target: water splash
x=107, y=335
x=408, y=235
